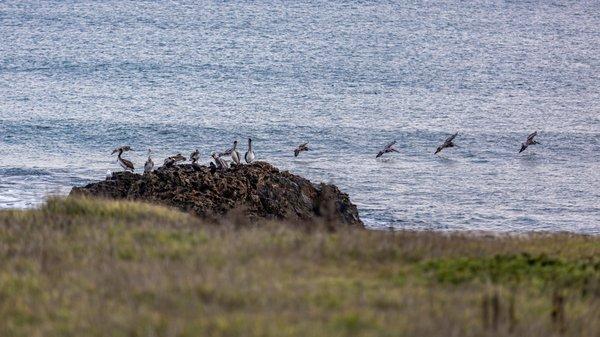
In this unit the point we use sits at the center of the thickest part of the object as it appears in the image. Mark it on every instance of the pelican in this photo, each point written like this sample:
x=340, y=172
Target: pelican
x=301, y=148
x=529, y=141
x=174, y=159
x=216, y=159
x=447, y=143
x=125, y=164
x=149, y=165
x=195, y=156
x=387, y=149
x=235, y=155
x=221, y=164
x=196, y=166
x=108, y=174
x=249, y=156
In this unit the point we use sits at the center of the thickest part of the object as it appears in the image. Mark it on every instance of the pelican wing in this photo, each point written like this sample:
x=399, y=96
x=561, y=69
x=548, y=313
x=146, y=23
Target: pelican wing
x=523, y=147
x=451, y=138
x=127, y=163
x=122, y=148
x=223, y=163
x=390, y=144
x=228, y=152
x=531, y=136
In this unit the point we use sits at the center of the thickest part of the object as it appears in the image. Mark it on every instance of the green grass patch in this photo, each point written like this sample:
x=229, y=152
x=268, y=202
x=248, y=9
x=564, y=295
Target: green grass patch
x=515, y=269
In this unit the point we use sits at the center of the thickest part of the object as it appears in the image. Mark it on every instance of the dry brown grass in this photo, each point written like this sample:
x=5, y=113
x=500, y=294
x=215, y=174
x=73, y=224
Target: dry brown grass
x=95, y=268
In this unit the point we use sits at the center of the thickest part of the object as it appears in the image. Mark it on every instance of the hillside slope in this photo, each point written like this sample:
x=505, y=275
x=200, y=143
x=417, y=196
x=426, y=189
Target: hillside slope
x=80, y=267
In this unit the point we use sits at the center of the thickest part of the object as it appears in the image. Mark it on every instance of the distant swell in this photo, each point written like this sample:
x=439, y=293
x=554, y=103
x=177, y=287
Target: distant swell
x=21, y=171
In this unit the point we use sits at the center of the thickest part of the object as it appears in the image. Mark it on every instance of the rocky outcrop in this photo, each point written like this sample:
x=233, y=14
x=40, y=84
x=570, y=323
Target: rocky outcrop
x=258, y=191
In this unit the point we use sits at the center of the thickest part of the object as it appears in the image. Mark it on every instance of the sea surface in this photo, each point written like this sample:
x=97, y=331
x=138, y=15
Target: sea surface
x=79, y=78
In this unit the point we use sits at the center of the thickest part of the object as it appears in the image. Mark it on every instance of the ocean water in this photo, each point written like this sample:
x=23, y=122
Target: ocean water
x=78, y=78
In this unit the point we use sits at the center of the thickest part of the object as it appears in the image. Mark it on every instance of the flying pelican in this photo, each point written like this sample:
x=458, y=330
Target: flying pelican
x=529, y=141
x=447, y=143
x=249, y=156
x=170, y=161
x=301, y=148
x=235, y=155
x=149, y=165
x=195, y=156
x=387, y=149
x=125, y=164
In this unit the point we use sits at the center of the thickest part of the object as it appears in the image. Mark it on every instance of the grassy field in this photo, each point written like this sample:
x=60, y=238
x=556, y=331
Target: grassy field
x=95, y=268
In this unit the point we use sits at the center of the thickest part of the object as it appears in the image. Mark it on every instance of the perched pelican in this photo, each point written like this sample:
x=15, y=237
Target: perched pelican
x=235, y=155
x=196, y=166
x=174, y=160
x=301, y=148
x=216, y=159
x=149, y=165
x=195, y=156
x=249, y=156
x=221, y=164
x=125, y=164
x=529, y=141
x=387, y=149
x=447, y=143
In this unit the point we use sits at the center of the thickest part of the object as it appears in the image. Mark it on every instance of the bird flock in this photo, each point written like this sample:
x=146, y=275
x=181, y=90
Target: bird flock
x=449, y=142
x=220, y=163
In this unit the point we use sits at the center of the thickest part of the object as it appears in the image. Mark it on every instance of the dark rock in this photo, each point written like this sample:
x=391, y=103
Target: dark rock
x=259, y=191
